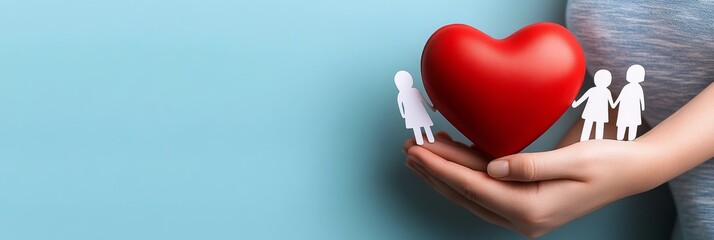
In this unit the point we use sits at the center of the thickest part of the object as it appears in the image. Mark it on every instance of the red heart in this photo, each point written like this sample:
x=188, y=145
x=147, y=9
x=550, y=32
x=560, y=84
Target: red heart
x=502, y=94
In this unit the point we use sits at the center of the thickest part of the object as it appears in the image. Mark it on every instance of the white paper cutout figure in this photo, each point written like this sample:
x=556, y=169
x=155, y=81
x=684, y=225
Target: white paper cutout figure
x=596, y=109
x=410, y=102
x=632, y=103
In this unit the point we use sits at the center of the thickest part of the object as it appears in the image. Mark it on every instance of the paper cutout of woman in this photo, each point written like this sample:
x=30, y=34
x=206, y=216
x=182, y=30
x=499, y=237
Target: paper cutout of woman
x=411, y=105
x=632, y=103
x=596, y=110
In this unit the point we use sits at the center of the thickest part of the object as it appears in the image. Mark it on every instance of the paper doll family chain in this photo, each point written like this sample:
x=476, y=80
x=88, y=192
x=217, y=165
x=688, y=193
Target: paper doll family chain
x=599, y=99
x=631, y=102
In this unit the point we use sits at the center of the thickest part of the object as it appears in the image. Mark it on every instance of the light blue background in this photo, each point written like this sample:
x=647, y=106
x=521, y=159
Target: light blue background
x=217, y=119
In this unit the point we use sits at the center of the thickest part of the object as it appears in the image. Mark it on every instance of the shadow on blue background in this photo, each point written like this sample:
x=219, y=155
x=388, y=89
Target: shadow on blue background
x=239, y=120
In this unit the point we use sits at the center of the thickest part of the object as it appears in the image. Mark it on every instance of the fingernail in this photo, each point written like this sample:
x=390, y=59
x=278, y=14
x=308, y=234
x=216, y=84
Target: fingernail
x=498, y=169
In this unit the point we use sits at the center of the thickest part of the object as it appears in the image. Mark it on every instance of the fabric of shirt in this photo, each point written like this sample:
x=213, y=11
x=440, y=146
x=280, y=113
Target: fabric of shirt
x=674, y=42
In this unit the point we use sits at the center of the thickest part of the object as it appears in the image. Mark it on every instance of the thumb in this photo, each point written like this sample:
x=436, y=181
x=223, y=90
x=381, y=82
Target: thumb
x=529, y=167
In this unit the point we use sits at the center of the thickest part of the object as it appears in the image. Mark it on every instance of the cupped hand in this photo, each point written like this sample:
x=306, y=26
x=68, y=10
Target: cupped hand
x=534, y=193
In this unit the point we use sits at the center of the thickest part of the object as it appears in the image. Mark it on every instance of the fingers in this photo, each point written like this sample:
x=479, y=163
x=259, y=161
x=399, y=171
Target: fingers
x=475, y=186
x=564, y=163
x=453, y=151
x=440, y=135
x=457, y=198
x=444, y=135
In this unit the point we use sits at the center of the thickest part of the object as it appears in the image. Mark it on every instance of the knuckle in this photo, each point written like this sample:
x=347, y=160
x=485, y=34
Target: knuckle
x=469, y=191
x=532, y=219
x=534, y=216
x=535, y=220
x=526, y=168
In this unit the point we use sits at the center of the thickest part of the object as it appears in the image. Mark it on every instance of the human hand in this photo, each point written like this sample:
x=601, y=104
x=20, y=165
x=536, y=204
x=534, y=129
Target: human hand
x=534, y=193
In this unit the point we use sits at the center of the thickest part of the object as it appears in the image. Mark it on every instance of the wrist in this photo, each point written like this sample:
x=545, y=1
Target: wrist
x=655, y=164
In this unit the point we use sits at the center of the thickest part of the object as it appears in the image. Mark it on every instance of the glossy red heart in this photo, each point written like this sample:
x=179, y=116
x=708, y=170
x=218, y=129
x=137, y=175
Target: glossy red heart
x=502, y=94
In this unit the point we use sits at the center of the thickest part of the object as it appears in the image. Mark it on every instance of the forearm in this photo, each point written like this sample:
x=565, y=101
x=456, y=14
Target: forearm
x=684, y=140
x=678, y=144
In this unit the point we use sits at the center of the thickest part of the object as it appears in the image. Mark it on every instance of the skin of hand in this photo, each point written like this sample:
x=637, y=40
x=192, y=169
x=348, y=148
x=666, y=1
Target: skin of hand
x=534, y=193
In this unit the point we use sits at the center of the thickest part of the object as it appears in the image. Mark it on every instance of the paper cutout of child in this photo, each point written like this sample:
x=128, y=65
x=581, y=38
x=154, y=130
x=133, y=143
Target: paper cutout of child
x=596, y=109
x=411, y=106
x=632, y=103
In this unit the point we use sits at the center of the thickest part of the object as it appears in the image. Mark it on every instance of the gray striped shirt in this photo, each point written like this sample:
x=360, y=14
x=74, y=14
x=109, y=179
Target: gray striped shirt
x=674, y=41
